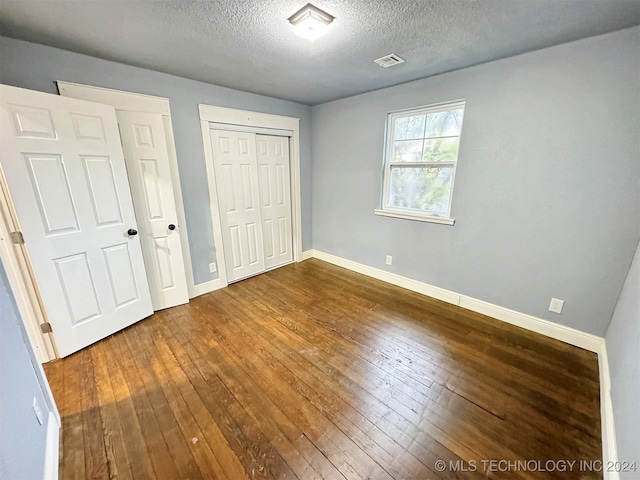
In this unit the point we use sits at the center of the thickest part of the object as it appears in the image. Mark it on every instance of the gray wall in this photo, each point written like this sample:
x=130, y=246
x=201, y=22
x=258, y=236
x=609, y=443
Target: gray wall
x=623, y=349
x=22, y=438
x=547, y=196
x=36, y=67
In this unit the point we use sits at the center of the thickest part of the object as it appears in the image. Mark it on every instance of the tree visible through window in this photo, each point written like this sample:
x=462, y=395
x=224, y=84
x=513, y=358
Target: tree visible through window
x=421, y=158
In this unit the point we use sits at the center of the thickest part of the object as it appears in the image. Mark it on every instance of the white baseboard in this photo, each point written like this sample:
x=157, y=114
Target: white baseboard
x=400, y=281
x=568, y=335
x=538, y=325
x=207, y=287
x=52, y=449
x=609, y=446
x=307, y=254
x=544, y=327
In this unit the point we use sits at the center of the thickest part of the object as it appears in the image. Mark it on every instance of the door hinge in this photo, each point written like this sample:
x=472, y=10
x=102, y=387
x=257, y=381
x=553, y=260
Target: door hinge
x=17, y=238
x=46, y=327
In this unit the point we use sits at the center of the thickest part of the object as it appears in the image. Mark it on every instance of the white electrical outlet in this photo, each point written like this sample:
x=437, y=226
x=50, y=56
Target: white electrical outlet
x=556, y=305
x=389, y=259
x=213, y=268
x=37, y=410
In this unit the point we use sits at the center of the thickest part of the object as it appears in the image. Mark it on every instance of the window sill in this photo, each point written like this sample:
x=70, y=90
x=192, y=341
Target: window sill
x=418, y=218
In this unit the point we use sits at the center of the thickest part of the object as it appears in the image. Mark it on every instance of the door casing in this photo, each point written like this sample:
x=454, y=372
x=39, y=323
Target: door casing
x=20, y=276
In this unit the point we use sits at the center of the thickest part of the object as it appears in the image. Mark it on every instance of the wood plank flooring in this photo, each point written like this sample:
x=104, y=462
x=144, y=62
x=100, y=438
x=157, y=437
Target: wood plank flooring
x=311, y=371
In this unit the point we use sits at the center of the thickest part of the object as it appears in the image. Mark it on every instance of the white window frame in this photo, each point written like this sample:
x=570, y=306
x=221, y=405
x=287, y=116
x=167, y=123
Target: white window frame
x=408, y=213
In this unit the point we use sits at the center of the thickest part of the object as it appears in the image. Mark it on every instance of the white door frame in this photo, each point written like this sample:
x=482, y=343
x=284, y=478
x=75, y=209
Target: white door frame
x=16, y=265
x=138, y=102
x=245, y=119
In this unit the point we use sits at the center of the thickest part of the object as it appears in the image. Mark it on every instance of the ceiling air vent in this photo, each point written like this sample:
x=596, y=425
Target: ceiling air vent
x=389, y=60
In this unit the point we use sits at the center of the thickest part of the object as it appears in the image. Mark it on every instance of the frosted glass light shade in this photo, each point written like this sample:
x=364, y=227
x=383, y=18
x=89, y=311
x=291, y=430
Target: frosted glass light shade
x=310, y=22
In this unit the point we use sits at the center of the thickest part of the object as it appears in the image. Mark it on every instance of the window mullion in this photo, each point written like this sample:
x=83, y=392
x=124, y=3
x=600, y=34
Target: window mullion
x=422, y=164
x=387, y=170
x=440, y=137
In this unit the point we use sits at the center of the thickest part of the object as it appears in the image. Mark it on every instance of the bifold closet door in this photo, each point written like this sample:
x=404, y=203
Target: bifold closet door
x=236, y=171
x=275, y=199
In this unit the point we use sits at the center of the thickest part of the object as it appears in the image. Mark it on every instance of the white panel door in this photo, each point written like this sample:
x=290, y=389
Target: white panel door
x=145, y=151
x=65, y=170
x=236, y=168
x=275, y=199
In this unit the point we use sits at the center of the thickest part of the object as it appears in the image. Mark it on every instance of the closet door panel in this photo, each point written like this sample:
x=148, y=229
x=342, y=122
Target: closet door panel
x=275, y=196
x=236, y=171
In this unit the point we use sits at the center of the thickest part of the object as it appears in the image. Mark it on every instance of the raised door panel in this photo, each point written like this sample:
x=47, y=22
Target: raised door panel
x=50, y=185
x=102, y=187
x=121, y=274
x=252, y=244
x=163, y=257
x=269, y=240
x=236, y=247
x=88, y=127
x=152, y=191
x=78, y=286
x=31, y=122
x=67, y=180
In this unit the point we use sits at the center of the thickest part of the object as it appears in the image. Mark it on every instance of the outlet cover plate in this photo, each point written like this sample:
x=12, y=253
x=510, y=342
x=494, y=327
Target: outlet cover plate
x=556, y=305
x=213, y=268
x=389, y=260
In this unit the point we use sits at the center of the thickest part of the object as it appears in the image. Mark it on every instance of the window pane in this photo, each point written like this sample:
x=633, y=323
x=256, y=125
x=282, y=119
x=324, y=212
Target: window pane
x=443, y=124
x=407, y=151
x=408, y=127
x=421, y=188
x=441, y=150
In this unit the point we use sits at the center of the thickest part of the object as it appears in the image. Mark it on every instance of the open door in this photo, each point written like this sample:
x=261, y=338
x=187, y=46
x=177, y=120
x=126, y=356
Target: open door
x=145, y=149
x=65, y=170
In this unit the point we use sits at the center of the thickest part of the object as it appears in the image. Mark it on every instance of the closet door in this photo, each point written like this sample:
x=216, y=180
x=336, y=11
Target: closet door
x=236, y=171
x=275, y=199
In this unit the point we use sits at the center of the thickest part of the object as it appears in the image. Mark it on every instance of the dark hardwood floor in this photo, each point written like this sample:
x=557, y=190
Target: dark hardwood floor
x=312, y=371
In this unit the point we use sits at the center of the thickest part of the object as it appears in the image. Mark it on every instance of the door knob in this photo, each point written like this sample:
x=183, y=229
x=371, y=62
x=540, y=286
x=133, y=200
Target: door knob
x=172, y=226
x=131, y=232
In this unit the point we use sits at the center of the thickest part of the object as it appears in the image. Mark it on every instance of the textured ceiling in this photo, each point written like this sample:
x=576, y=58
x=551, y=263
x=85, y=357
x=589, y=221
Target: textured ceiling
x=248, y=44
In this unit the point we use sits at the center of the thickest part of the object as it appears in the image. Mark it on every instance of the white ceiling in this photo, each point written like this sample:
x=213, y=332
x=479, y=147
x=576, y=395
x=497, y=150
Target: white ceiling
x=248, y=44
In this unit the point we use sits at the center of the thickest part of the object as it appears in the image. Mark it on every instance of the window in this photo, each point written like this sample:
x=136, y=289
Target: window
x=420, y=162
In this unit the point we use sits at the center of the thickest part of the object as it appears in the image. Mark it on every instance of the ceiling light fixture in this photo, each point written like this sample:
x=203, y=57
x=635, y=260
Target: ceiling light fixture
x=310, y=22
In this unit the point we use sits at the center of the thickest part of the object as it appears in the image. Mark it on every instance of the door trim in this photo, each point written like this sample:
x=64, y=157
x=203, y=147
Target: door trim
x=120, y=100
x=257, y=130
x=16, y=264
x=137, y=102
x=244, y=118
